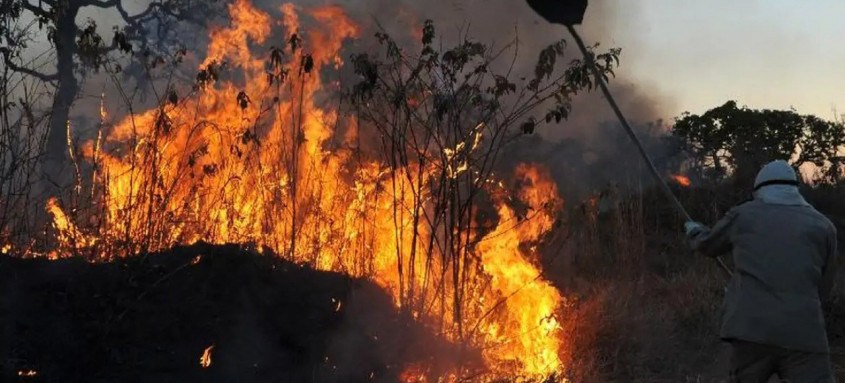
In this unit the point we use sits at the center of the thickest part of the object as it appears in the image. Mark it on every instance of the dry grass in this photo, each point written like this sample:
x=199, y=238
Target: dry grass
x=642, y=307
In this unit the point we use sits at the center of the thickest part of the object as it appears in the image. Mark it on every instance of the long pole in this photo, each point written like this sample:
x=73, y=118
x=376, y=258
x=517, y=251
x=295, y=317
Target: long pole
x=665, y=187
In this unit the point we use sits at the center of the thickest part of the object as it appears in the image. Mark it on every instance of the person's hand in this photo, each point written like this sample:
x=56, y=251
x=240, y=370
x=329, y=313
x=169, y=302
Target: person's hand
x=691, y=228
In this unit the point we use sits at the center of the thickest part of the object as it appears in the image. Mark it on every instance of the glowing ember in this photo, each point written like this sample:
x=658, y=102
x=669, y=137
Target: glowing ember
x=27, y=373
x=205, y=359
x=682, y=180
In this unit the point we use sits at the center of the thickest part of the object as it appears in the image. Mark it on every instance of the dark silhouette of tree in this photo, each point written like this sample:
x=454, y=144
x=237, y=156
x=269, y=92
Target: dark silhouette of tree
x=736, y=141
x=79, y=48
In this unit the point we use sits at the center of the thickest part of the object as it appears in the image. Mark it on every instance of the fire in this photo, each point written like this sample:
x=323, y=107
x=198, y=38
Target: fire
x=70, y=236
x=527, y=330
x=265, y=160
x=682, y=180
x=27, y=373
x=205, y=359
x=413, y=374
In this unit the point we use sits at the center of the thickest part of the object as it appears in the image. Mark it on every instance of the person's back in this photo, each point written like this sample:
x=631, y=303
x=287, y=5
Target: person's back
x=783, y=252
x=780, y=253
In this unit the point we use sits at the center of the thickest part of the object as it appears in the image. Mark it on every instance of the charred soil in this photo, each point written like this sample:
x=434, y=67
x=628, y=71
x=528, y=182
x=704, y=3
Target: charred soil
x=150, y=319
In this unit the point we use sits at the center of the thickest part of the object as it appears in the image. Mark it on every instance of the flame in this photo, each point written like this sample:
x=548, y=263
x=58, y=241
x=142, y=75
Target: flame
x=103, y=114
x=27, y=373
x=413, y=374
x=255, y=161
x=205, y=359
x=70, y=237
x=527, y=330
x=682, y=180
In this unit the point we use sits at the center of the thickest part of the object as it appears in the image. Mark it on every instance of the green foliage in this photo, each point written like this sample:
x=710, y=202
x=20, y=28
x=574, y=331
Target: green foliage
x=736, y=139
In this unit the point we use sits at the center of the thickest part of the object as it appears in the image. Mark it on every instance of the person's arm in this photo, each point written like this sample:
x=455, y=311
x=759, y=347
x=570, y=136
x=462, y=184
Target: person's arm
x=716, y=241
x=830, y=269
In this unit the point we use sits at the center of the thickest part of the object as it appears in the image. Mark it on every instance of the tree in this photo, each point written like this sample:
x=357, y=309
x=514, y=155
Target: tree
x=79, y=48
x=737, y=141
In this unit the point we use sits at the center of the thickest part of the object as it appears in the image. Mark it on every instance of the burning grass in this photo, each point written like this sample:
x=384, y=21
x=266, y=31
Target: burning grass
x=259, y=152
x=393, y=179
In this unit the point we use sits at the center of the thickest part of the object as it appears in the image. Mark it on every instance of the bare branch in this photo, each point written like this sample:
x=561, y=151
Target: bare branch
x=101, y=4
x=133, y=19
x=7, y=59
x=38, y=11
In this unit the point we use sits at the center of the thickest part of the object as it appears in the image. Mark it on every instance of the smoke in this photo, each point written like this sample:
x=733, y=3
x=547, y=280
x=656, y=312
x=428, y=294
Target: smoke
x=585, y=153
x=589, y=150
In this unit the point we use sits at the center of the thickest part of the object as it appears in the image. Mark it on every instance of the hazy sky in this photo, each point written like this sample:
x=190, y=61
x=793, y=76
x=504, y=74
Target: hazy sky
x=764, y=54
x=691, y=55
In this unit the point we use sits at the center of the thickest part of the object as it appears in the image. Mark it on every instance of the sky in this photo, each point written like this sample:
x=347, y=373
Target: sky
x=695, y=55
x=684, y=55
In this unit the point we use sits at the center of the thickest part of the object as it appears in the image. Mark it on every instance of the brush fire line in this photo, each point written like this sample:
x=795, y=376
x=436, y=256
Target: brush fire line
x=269, y=180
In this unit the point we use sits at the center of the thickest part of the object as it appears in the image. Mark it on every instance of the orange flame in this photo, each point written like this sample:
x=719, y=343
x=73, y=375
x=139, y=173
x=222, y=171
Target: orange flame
x=247, y=162
x=527, y=330
x=682, y=180
x=27, y=373
x=205, y=359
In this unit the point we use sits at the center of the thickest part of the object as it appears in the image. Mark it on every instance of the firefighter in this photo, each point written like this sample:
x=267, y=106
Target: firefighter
x=784, y=253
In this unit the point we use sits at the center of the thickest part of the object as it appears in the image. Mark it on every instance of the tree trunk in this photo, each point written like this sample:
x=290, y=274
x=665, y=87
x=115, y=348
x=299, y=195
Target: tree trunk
x=56, y=151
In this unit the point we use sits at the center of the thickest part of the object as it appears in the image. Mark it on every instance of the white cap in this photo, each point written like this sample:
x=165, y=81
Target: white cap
x=777, y=172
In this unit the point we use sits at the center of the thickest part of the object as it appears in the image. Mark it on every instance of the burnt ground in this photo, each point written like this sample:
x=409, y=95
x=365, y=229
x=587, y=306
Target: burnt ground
x=149, y=319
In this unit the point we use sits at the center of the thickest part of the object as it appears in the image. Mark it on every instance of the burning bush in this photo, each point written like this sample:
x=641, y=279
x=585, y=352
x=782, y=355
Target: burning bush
x=401, y=185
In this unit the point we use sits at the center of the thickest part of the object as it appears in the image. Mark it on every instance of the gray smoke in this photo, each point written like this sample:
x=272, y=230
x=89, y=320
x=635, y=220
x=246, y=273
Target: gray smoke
x=588, y=151
x=585, y=153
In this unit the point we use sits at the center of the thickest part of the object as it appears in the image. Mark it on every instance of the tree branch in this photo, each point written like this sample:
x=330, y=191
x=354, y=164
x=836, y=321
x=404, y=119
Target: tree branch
x=133, y=19
x=7, y=59
x=101, y=4
x=37, y=11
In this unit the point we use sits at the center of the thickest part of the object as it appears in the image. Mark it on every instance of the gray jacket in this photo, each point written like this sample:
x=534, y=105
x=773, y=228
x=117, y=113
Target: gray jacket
x=785, y=263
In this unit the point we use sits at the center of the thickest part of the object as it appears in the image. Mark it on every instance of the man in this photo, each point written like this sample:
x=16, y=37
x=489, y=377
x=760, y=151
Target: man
x=784, y=253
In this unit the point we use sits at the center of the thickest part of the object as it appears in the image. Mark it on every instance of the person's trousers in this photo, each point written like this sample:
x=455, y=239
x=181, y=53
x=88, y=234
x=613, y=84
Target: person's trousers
x=756, y=363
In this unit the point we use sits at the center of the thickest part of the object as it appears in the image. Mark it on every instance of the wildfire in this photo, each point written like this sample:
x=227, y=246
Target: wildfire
x=527, y=330
x=682, y=180
x=205, y=359
x=247, y=162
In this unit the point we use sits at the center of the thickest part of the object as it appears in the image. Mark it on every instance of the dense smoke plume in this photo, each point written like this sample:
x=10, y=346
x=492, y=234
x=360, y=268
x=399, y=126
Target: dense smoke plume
x=588, y=136
x=588, y=151
x=585, y=153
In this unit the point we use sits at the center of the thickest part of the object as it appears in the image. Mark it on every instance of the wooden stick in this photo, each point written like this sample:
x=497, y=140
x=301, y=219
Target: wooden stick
x=664, y=186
